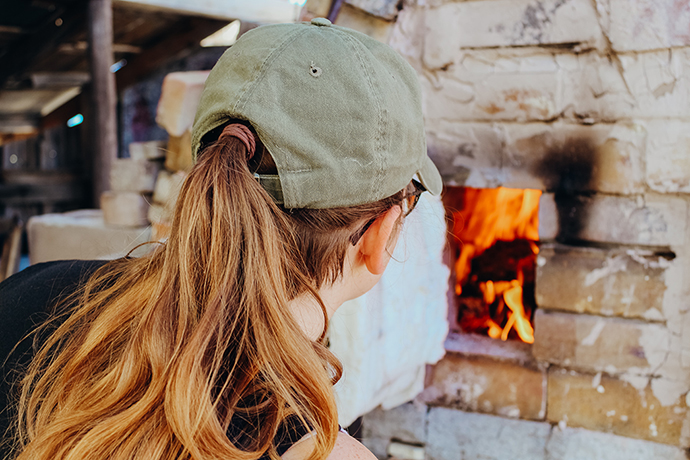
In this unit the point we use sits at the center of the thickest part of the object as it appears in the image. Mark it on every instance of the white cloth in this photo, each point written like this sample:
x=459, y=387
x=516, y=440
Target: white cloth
x=386, y=337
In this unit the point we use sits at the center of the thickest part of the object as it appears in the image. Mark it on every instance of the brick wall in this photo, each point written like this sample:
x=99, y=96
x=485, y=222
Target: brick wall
x=588, y=100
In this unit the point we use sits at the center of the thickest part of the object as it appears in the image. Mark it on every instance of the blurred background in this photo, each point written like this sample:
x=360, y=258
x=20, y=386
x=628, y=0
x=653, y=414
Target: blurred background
x=547, y=315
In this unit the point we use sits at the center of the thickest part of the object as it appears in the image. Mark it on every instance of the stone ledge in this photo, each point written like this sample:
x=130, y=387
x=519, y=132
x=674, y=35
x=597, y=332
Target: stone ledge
x=478, y=345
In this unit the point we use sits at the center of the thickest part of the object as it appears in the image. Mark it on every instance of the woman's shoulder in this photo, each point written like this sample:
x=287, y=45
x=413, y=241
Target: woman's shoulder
x=49, y=276
x=346, y=448
x=40, y=283
x=26, y=296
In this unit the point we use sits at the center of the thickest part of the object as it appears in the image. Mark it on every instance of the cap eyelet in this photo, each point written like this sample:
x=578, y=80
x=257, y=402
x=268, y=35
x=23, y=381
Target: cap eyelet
x=314, y=71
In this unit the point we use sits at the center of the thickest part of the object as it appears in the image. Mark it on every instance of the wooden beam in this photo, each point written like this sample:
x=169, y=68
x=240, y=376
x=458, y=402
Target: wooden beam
x=11, y=30
x=260, y=11
x=18, y=125
x=59, y=79
x=185, y=35
x=26, y=195
x=36, y=46
x=21, y=188
x=63, y=113
x=81, y=46
x=103, y=96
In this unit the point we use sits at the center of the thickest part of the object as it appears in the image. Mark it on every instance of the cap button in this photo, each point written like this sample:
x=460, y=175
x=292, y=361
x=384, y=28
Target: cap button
x=321, y=22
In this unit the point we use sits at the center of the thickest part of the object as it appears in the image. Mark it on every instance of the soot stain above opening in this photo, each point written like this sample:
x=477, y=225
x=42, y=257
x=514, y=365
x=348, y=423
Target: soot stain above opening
x=568, y=169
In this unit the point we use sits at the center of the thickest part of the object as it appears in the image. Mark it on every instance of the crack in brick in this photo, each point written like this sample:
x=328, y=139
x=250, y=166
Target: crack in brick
x=663, y=361
x=610, y=52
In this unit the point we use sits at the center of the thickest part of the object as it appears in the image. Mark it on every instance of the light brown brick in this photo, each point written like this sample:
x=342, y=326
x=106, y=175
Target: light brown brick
x=315, y=9
x=160, y=230
x=129, y=175
x=609, y=282
x=159, y=214
x=487, y=385
x=168, y=187
x=179, y=154
x=151, y=150
x=386, y=9
x=179, y=99
x=124, y=209
x=361, y=21
x=597, y=343
x=604, y=403
x=645, y=220
x=602, y=158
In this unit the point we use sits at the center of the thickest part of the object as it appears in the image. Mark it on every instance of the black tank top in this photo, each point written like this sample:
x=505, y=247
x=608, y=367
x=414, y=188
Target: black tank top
x=25, y=300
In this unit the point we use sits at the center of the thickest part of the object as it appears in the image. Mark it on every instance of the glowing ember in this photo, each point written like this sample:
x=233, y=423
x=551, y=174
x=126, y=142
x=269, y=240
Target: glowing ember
x=484, y=220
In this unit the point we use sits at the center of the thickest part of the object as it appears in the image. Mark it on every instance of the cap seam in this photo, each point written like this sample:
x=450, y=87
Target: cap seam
x=246, y=94
x=378, y=148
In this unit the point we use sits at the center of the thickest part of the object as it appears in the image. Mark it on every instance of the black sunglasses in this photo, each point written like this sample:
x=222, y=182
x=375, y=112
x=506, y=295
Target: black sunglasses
x=410, y=199
x=412, y=193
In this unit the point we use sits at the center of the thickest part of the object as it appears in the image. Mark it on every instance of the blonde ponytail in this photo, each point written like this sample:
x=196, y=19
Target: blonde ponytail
x=162, y=356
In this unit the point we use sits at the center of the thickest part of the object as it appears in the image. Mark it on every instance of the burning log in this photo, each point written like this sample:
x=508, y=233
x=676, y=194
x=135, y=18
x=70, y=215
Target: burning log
x=496, y=231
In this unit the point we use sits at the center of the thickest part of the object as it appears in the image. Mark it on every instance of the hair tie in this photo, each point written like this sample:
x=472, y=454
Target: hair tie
x=242, y=133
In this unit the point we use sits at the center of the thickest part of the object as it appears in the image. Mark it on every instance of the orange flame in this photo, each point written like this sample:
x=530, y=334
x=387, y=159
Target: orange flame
x=519, y=320
x=487, y=216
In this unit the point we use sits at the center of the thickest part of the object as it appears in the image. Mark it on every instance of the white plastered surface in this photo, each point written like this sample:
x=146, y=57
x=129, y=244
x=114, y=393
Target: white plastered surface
x=385, y=338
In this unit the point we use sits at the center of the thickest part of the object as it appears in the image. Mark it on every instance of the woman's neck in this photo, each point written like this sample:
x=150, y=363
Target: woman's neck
x=309, y=314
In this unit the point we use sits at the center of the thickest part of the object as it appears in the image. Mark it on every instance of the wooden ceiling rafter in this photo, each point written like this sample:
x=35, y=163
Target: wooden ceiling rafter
x=35, y=46
x=47, y=58
x=188, y=34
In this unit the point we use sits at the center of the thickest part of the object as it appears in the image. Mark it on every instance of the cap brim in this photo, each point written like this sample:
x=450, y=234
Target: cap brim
x=430, y=177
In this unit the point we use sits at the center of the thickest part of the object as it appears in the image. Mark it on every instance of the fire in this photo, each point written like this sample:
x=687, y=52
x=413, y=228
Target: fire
x=485, y=217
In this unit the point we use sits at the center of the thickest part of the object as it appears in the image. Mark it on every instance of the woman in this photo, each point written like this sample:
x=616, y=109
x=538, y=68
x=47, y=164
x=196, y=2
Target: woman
x=307, y=140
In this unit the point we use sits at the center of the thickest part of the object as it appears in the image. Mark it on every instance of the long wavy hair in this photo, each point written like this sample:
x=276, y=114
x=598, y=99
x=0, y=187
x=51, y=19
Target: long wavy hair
x=157, y=357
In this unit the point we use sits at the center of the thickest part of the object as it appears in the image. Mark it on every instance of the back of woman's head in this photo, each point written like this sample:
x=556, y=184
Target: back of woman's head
x=197, y=339
x=192, y=351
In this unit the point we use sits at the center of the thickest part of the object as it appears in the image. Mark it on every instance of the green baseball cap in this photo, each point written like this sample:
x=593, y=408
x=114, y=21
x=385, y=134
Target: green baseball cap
x=339, y=112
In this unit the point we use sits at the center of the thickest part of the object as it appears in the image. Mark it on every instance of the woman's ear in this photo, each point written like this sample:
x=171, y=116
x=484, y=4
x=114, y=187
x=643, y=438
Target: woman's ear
x=376, y=240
